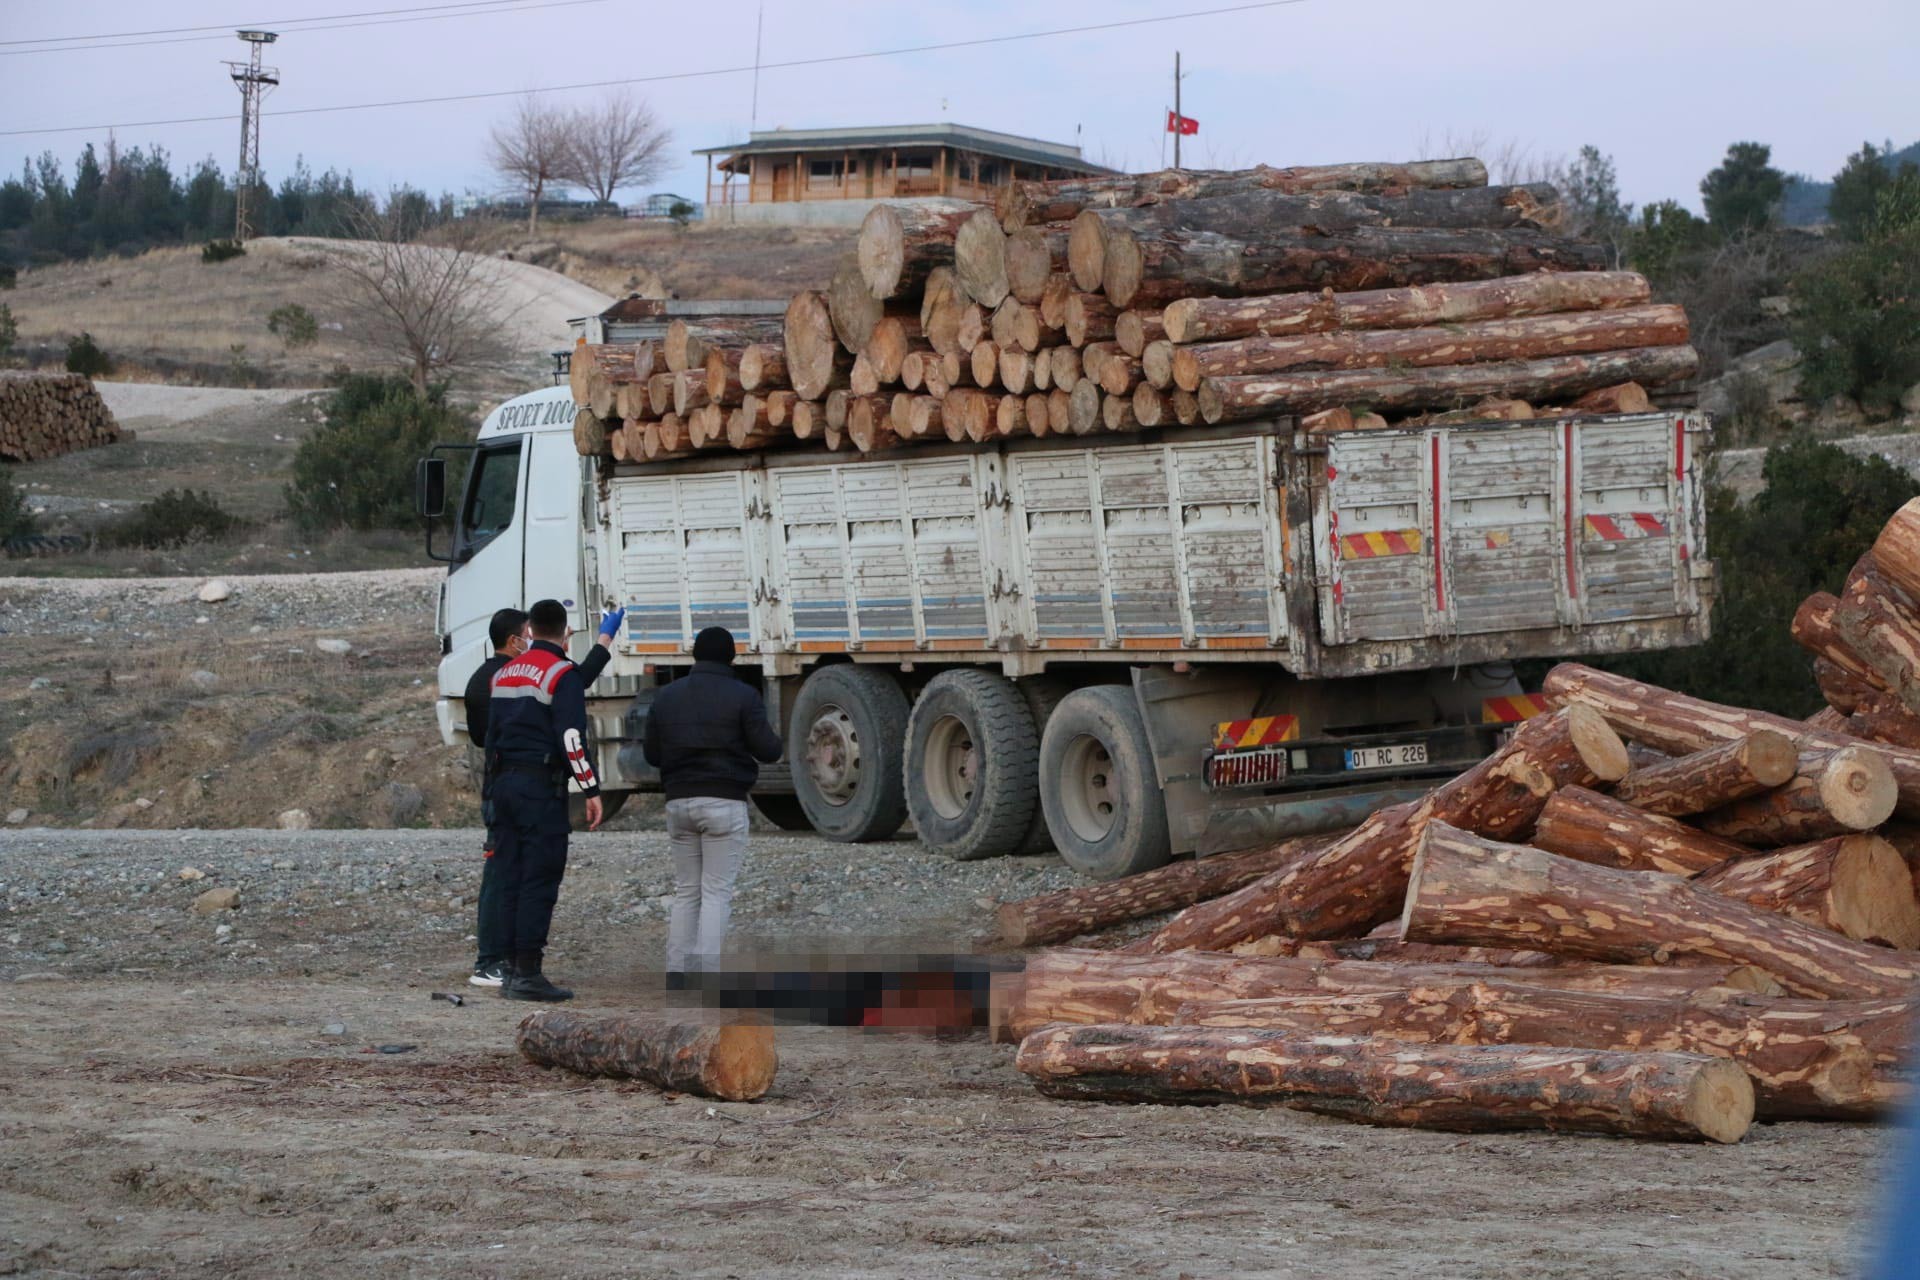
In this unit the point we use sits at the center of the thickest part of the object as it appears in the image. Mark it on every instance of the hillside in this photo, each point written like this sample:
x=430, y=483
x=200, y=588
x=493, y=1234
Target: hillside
x=704, y=260
x=1806, y=202
x=133, y=308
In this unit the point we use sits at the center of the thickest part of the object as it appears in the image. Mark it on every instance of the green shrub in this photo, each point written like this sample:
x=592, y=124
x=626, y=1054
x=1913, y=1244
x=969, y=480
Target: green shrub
x=9, y=275
x=16, y=521
x=9, y=329
x=294, y=325
x=356, y=469
x=1820, y=512
x=85, y=356
x=174, y=519
x=1857, y=314
x=222, y=250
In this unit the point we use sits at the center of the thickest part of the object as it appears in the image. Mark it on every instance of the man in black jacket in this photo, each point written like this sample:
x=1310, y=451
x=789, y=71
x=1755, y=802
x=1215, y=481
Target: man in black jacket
x=510, y=637
x=708, y=734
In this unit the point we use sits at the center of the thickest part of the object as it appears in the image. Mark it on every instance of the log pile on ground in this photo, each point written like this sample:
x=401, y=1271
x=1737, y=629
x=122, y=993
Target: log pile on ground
x=1645, y=914
x=43, y=415
x=1350, y=296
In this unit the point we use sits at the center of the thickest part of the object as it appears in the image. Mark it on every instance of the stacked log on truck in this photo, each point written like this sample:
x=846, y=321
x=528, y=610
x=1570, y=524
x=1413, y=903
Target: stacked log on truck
x=1349, y=296
x=43, y=415
x=1645, y=915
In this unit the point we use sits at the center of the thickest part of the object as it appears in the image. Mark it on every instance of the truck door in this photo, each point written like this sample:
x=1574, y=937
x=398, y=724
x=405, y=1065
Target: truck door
x=550, y=568
x=487, y=554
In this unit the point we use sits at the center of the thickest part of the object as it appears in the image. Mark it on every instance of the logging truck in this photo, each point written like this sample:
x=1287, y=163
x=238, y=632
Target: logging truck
x=1124, y=647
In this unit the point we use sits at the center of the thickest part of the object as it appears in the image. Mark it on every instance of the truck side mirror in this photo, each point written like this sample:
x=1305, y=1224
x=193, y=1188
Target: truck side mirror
x=430, y=488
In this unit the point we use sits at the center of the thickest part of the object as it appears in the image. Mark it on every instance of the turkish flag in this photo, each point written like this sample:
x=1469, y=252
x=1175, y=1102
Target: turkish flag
x=1185, y=126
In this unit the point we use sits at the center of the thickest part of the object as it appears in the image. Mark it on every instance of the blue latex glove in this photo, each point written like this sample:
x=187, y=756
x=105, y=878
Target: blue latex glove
x=610, y=622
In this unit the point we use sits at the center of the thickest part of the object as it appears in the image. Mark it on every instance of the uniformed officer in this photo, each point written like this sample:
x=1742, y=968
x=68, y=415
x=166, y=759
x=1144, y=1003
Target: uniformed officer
x=508, y=631
x=536, y=739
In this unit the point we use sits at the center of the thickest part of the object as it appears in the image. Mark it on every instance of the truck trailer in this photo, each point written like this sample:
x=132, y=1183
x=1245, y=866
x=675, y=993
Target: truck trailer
x=1125, y=647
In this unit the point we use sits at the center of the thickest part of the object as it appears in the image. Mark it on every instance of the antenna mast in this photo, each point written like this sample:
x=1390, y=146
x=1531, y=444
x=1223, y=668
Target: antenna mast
x=254, y=82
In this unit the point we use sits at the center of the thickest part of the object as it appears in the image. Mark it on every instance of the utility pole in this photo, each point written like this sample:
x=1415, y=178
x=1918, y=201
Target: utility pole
x=1177, y=117
x=254, y=81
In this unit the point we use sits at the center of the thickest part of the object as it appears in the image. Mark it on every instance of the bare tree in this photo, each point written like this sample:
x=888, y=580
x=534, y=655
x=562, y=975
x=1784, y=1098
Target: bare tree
x=532, y=150
x=437, y=308
x=618, y=143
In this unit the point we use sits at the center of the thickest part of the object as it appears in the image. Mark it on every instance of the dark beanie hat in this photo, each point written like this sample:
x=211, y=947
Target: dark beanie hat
x=714, y=644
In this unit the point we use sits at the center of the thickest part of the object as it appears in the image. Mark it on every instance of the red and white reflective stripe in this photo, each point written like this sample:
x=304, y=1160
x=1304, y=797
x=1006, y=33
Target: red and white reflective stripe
x=1625, y=527
x=577, y=759
x=1513, y=708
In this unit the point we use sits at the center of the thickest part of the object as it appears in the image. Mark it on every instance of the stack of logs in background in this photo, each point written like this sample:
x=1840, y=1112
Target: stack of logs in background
x=43, y=415
x=1350, y=296
x=1645, y=914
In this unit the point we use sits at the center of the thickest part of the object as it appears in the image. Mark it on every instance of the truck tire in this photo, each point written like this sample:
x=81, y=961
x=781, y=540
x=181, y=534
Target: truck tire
x=847, y=742
x=1097, y=782
x=783, y=812
x=972, y=756
x=1043, y=694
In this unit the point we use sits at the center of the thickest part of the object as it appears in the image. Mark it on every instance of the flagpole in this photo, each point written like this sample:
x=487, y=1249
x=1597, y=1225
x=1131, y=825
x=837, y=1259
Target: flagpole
x=1177, y=116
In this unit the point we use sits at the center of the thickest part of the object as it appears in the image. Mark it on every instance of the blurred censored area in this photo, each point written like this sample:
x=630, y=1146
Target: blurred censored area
x=932, y=993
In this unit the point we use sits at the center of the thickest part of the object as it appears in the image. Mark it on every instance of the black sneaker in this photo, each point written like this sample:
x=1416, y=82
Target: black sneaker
x=488, y=975
x=534, y=986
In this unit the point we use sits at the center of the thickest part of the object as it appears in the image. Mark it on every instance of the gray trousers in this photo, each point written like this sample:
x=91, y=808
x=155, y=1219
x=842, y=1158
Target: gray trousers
x=708, y=838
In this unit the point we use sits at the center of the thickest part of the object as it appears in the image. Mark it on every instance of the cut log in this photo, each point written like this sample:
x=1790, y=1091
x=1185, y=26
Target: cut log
x=779, y=407
x=1469, y=1088
x=984, y=363
x=980, y=259
x=1837, y=721
x=1033, y=255
x=1473, y=342
x=1152, y=407
x=1069, y=984
x=1021, y=204
x=815, y=361
x=1186, y=408
x=1090, y=318
x=763, y=367
x=1010, y=419
x=1092, y=355
x=1119, y=374
x=1883, y=718
x=622, y=451
x=851, y=305
x=735, y=1061
x=1361, y=879
x=1677, y=723
x=1156, y=364
x=1066, y=367
x=1831, y=793
x=1042, y=369
x=1814, y=630
x=723, y=374
x=1232, y=399
x=1625, y=397
x=972, y=328
x=1016, y=370
x=1508, y=297
x=868, y=424
x=1059, y=412
x=1053, y=300
x=689, y=340
x=967, y=413
x=590, y=434
x=748, y=426
x=913, y=369
x=1116, y=412
x=809, y=419
x=673, y=433
x=835, y=414
x=1467, y=889
x=1881, y=623
x=940, y=309
x=1588, y=827
x=1856, y=886
x=1796, y=1074
x=1133, y=330
x=1707, y=779
x=689, y=391
x=1000, y=325
x=1896, y=552
x=861, y=379
x=1152, y=272
x=923, y=419
x=894, y=338
x=901, y=245
x=1083, y=407
x=1039, y=419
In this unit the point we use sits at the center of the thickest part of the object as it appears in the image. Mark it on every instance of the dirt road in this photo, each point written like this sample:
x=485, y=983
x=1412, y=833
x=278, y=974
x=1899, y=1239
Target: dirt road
x=175, y=1100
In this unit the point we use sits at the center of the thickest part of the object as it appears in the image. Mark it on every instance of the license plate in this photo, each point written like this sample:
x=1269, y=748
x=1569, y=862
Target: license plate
x=1247, y=768
x=1396, y=756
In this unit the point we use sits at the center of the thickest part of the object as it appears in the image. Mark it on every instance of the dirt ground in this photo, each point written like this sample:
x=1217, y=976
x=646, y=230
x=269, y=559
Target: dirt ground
x=176, y=1100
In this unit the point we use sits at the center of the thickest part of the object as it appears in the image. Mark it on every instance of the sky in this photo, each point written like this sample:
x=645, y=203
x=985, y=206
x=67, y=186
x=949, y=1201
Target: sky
x=1663, y=86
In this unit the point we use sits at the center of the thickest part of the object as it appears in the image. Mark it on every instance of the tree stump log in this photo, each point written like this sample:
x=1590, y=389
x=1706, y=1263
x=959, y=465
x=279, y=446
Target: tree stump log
x=1832, y=793
x=1466, y=1088
x=1466, y=889
x=735, y=1062
x=1856, y=886
x=1588, y=827
x=1717, y=775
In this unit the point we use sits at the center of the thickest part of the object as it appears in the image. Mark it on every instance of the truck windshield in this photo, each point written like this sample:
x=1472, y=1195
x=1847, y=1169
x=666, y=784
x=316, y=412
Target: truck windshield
x=491, y=493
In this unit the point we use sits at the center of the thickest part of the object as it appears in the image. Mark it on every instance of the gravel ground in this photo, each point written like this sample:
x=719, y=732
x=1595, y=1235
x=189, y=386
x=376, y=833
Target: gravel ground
x=205, y=1094
x=100, y=609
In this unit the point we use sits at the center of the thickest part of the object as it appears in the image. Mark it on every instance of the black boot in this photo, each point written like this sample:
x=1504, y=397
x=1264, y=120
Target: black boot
x=528, y=983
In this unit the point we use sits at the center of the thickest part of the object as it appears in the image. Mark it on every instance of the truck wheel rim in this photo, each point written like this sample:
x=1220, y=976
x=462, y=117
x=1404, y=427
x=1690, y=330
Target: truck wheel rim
x=951, y=768
x=1088, y=793
x=833, y=755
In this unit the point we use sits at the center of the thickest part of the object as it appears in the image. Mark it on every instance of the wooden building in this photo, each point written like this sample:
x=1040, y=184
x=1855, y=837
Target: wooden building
x=890, y=162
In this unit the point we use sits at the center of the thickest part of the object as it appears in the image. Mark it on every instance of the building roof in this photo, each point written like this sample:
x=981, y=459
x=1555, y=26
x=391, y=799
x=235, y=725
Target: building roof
x=1006, y=146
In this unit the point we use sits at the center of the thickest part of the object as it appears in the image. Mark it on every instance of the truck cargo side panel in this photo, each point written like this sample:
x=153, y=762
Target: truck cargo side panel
x=1224, y=499
x=683, y=559
x=1378, y=534
x=943, y=509
x=1631, y=526
x=1502, y=565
